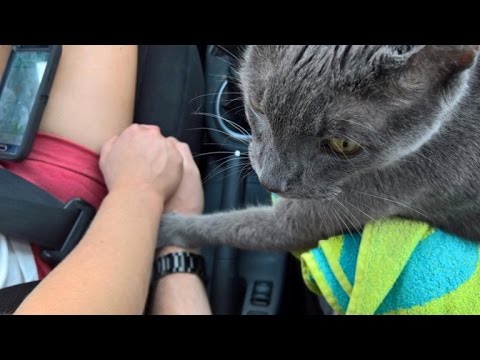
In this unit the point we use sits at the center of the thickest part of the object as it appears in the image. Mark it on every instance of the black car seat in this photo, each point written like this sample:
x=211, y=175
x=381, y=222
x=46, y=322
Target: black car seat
x=241, y=282
x=174, y=90
x=170, y=86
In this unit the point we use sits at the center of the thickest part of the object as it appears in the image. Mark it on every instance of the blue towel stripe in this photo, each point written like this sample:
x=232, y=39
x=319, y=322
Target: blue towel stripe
x=439, y=265
x=342, y=297
x=348, y=257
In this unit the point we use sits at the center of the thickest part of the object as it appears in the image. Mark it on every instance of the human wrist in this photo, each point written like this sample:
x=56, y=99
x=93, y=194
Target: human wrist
x=184, y=207
x=181, y=294
x=147, y=195
x=173, y=249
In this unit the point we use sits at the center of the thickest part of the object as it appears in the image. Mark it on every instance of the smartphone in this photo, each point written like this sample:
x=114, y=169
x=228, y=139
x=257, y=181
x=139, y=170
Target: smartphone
x=24, y=92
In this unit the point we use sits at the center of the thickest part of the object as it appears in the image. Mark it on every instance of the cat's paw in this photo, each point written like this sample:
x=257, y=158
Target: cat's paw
x=172, y=230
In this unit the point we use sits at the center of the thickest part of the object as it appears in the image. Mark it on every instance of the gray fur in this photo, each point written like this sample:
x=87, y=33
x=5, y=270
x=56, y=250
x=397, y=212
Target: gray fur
x=415, y=110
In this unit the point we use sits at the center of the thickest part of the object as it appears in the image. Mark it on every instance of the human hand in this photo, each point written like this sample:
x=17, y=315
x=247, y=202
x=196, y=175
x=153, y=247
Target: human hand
x=141, y=158
x=188, y=199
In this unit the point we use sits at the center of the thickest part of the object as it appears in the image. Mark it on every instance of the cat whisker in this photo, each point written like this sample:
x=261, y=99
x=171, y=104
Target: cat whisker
x=335, y=216
x=364, y=213
x=354, y=217
x=396, y=202
x=224, y=161
x=228, y=102
x=324, y=223
x=347, y=227
x=330, y=220
x=216, y=94
x=235, y=57
x=203, y=95
x=214, y=153
x=226, y=61
x=234, y=110
x=238, y=127
x=357, y=229
x=240, y=176
x=223, y=76
x=243, y=157
x=249, y=168
x=229, y=168
x=236, y=74
x=216, y=172
x=220, y=131
x=229, y=158
x=238, y=109
x=233, y=124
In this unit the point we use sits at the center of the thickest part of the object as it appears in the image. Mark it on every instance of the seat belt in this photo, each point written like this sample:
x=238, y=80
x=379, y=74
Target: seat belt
x=30, y=214
x=27, y=212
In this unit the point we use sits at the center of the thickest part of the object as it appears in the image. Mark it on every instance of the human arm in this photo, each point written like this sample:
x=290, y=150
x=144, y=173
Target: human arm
x=109, y=271
x=183, y=294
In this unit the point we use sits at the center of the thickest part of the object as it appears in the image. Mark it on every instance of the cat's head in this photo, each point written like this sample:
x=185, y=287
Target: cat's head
x=321, y=114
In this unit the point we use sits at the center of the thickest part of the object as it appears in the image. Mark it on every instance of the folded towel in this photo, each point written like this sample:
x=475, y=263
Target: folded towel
x=396, y=266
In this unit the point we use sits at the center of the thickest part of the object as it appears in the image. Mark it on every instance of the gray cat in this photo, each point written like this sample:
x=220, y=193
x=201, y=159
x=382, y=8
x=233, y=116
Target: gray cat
x=351, y=134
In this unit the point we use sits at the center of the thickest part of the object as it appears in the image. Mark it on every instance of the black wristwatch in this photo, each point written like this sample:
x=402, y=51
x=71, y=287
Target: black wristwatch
x=179, y=262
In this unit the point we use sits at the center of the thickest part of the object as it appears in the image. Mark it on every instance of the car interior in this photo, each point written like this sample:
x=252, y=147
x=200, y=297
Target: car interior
x=240, y=282
x=191, y=93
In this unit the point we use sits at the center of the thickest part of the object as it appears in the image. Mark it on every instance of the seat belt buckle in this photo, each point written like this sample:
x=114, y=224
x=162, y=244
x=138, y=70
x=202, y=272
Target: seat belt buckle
x=85, y=216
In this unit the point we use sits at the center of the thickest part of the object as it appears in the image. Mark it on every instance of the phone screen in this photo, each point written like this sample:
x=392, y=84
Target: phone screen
x=21, y=86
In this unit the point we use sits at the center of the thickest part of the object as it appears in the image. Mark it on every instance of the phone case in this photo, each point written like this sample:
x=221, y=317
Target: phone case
x=41, y=99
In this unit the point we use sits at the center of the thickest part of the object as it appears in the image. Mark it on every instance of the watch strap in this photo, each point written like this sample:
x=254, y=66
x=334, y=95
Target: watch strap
x=179, y=262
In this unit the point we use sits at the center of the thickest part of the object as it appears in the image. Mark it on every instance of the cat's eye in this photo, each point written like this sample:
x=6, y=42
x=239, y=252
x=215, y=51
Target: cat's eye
x=256, y=106
x=343, y=146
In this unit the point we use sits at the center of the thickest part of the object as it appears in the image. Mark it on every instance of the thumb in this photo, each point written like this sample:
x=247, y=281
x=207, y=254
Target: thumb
x=183, y=149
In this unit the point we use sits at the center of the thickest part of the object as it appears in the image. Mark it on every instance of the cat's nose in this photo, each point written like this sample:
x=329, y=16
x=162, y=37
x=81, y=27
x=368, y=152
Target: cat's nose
x=274, y=188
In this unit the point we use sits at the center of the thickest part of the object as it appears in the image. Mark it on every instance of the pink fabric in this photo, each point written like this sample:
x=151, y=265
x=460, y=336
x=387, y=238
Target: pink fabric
x=65, y=170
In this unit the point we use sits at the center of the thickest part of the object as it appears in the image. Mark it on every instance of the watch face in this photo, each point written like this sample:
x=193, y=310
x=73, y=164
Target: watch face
x=179, y=262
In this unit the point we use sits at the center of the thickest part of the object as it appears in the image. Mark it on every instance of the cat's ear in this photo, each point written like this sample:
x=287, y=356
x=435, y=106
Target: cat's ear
x=448, y=59
x=445, y=59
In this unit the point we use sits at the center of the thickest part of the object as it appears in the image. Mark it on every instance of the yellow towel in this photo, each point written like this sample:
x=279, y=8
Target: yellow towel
x=396, y=266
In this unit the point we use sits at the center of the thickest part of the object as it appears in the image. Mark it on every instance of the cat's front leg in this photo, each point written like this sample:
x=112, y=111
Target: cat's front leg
x=290, y=225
